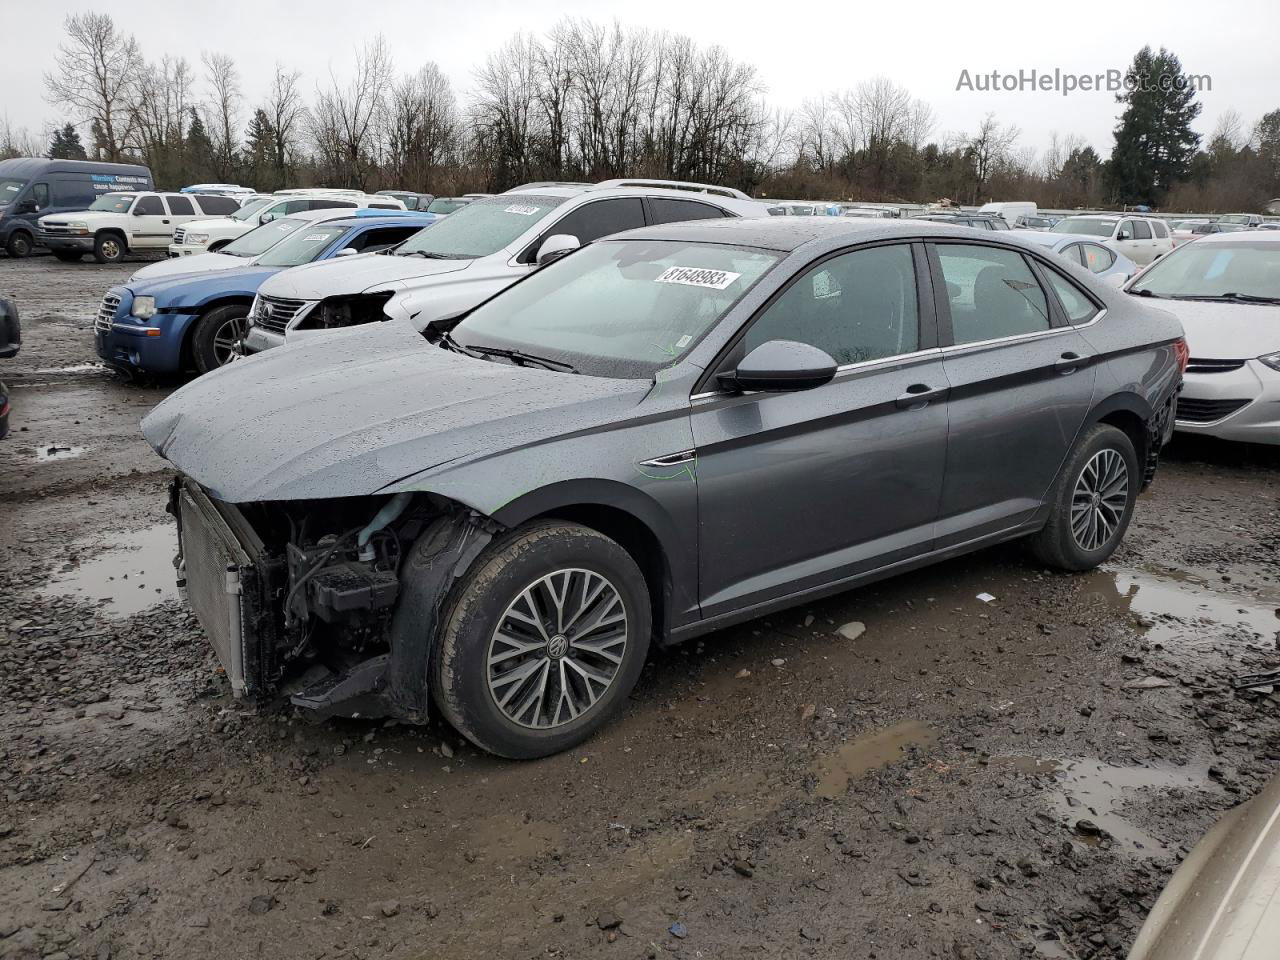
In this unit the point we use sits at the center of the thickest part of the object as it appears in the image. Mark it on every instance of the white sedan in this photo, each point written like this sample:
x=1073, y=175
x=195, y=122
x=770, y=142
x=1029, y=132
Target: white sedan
x=1225, y=288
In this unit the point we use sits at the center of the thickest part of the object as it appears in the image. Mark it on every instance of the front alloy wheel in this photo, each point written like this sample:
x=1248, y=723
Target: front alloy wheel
x=1099, y=500
x=545, y=636
x=557, y=648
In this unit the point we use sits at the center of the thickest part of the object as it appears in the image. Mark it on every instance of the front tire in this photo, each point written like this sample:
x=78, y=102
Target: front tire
x=108, y=248
x=214, y=337
x=546, y=636
x=19, y=244
x=1092, y=501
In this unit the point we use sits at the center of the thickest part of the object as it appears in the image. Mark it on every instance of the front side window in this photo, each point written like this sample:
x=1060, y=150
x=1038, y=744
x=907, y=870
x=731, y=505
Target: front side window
x=300, y=246
x=149, y=207
x=481, y=227
x=263, y=238
x=1078, y=307
x=594, y=220
x=251, y=210
x=1139, y=230
x=112, y=203
x=327, y=203
x=374, y=240
x=992, y=293
x=623, y=308
x=856, y=307
x=1235, y=270
x=40, y=194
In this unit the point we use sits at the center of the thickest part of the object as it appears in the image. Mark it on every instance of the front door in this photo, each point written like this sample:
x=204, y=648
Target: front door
x=149, y=224
x=798, y=490
x=1021, y=384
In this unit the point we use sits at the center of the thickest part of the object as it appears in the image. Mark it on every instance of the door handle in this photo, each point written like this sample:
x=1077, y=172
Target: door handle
x=1069, y=363
x=164, y=221
x=918, y=395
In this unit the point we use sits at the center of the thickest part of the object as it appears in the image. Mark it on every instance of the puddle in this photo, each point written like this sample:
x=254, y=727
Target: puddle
x=836, y=771
x=1107, y=794
x=130, y=572
x=1190, y=599
x=58, y=451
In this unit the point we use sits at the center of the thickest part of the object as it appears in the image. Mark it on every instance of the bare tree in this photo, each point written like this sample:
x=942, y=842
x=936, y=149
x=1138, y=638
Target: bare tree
x=504, y=116
x=287, y=113
x=990, y=147
x=160, y=106
x=96, y=70
x=422, y=126
x=222, y=111
x=348, y=118
x=17, y=142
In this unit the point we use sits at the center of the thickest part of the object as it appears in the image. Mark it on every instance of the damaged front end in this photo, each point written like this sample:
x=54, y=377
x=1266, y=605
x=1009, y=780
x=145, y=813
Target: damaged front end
x=337, y=599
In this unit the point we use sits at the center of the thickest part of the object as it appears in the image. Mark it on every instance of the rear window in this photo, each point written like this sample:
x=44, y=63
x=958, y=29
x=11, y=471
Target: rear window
x=220, y=206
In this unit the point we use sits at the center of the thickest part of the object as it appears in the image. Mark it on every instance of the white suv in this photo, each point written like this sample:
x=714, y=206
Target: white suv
x=208, y=236
x=1141, y=239
x=119, y=223
x=473, y=253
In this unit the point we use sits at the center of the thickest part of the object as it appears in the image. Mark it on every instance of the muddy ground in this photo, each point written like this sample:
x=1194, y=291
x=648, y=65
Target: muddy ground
x=965, y=779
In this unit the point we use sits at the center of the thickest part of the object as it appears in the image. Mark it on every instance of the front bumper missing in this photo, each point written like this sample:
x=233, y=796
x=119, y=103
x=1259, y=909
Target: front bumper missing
x=227, y=578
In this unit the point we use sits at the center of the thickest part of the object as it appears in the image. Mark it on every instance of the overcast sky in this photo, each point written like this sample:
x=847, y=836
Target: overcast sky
x=800, y=48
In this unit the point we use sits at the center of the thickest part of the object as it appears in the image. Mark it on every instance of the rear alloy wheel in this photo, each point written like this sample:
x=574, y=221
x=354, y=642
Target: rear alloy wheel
x=108, y=248
x=547, y=635
x=19, y=244
x=1092, y=501
x=213, y=342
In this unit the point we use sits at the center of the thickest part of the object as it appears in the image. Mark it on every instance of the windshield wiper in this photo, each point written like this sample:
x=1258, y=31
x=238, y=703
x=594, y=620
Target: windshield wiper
x=522, y=359
x=447, y=339
x=1146, y=293
x=1227, y=298
x=430, y=255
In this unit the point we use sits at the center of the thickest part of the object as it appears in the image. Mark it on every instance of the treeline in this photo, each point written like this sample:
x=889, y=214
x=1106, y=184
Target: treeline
x=588, y=102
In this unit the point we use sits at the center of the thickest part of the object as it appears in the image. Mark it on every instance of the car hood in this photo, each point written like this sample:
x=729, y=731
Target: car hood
x=174, y=286
x=351, y=414
x=347, y=275
x=215, y=223
x=197, y=263
x=1227, y=331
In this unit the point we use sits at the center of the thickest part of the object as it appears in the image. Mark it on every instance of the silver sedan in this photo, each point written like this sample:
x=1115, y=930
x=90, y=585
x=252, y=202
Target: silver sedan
x=1105, y=263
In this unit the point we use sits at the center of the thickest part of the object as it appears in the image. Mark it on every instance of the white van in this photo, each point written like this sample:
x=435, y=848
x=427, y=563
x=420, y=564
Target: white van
x=1010, y=210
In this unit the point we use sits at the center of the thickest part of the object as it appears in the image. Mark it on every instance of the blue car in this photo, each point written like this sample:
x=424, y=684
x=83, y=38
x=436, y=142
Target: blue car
x=173, y=323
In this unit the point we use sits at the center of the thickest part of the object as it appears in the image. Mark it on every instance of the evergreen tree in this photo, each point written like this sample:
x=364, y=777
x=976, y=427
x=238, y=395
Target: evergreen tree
x=66, y=144
x=200, y=158
x=1267, y=138
x=260, y=149
x=1154, y=143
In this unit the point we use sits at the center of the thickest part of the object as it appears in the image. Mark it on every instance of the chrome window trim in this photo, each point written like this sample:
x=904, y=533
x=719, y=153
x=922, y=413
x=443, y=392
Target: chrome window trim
x=840, y=370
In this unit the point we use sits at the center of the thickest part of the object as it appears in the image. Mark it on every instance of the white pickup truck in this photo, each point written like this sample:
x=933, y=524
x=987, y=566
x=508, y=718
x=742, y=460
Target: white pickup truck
x=120, y=223
x=209, y=236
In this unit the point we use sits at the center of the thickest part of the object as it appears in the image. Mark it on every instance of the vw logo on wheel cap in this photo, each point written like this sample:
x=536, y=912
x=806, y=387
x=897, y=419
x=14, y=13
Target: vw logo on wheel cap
x=557, y=646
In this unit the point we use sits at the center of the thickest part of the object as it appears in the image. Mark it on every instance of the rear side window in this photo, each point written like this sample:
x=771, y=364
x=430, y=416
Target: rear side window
x=1097, y=257
x=1159, y=229
x=217, y=205
x=667, y=210
x=179, y=206
x=326, y=203
x=992, y=293
x=149, y=206
x=386, y=206
x=857, y=307
x=1078, y=307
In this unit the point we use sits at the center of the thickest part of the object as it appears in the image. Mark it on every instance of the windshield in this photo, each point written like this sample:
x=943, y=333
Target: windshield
x=250, y=210
x=9, y=190
x=445, y=206
x=617, y=309
x=1215, y=270
x=113, y=202
x=479, y=228
x=262, y=238
x=303, y=246
x=1087, y=225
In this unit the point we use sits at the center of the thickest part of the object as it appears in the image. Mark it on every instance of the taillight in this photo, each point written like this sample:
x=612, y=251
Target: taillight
x=1183, y=353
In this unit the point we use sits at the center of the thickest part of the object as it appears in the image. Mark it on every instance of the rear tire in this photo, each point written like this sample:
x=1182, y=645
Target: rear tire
x=68, y=256
x=524, y=689
x=108, y=248
x=19, y=245
x=215, y=335
x=1092, y=501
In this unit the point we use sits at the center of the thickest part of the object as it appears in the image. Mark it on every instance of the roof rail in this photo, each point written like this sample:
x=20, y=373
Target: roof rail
x=537, y=184
x=674, y=185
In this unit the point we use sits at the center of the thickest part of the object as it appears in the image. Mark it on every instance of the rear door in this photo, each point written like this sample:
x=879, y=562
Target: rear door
x=1021, y=384
x=181, y=209
x=797, y=490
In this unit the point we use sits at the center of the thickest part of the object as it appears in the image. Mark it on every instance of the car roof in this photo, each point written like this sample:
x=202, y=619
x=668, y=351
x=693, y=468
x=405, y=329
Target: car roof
x=1241, y=236
x=386, y=218
x=786, y=234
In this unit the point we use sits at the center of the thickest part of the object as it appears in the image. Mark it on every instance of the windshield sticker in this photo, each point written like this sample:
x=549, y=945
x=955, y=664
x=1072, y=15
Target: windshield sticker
x=698, y=277
x=315, y=238
x=524, y=209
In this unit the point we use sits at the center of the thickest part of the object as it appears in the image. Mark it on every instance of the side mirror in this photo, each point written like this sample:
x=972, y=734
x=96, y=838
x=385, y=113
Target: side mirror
x=266, y=218
x=780, y=366
x=138, y=211
x=347, y=252
x=556, y=246
x=27, y=206
x=1124, y=235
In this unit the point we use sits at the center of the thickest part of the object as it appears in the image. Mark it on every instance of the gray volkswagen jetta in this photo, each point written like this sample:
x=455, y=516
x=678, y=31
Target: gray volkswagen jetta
x=660, y=434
